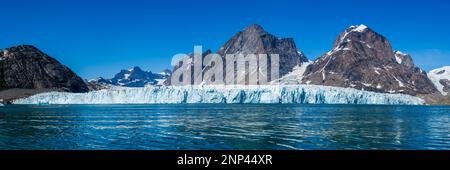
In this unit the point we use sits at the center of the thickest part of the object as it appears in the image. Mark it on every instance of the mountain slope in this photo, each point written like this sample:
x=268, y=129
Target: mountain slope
x=26, y=67
x=363, y=59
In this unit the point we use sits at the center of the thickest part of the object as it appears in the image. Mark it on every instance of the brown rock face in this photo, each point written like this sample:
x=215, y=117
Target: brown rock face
x=26, y=67
x=363, y=59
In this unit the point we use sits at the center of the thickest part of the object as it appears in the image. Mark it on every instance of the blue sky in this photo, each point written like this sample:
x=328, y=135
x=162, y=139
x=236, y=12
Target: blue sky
x=98, y=38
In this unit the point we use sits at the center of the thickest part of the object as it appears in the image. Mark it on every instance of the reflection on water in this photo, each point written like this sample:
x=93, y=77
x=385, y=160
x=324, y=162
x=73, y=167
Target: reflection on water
x=224, y=127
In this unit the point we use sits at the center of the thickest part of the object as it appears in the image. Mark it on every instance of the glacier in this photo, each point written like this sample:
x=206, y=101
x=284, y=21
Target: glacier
x=297, y=94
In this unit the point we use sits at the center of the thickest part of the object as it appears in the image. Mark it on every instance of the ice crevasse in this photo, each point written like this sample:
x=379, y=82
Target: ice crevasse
x=299, y=94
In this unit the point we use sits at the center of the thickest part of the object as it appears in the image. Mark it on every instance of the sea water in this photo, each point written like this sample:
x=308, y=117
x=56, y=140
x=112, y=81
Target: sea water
x=224, y=126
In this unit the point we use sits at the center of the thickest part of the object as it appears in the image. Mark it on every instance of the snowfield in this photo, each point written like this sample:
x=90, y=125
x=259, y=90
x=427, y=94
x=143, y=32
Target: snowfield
x=440, y=74
x=299, y=94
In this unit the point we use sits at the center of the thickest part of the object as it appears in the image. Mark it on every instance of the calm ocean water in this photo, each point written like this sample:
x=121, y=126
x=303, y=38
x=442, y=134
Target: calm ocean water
x=219, y=126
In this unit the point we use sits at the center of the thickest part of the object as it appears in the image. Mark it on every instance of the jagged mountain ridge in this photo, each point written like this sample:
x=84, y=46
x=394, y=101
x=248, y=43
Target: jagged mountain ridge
x=133, y=77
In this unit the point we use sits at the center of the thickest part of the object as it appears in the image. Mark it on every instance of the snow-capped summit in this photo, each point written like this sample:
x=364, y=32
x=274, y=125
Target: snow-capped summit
x=134, y=77
x=349, y=35
x=359, y=28
x=441, y=79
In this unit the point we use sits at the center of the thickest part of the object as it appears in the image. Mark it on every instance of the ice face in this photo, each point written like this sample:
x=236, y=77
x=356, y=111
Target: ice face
x=300, y=94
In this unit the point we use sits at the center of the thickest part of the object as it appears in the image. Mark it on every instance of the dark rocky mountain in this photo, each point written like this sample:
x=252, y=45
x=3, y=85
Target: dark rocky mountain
x=255, y=40
x=26, y=67
x=134, y=77
x=365, y=60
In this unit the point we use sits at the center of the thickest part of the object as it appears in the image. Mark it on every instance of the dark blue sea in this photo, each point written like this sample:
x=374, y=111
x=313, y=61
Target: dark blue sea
x=224, y=127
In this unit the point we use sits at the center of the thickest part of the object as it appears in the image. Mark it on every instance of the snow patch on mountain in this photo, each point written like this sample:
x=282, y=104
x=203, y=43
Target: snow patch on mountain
x=360, y=28
x=439, y=75
x=296, y=76
x=399, y=56
x=400, y=83
x=398, y=59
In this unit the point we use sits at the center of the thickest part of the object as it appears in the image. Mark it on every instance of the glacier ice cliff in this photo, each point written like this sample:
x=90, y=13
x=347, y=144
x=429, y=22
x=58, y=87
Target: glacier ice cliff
x=300, y=94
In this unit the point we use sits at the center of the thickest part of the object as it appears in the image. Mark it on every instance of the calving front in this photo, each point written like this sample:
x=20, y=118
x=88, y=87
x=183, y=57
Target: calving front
x=298, y=94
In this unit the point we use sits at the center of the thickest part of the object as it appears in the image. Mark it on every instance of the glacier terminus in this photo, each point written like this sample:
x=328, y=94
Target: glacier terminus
x=286, y=94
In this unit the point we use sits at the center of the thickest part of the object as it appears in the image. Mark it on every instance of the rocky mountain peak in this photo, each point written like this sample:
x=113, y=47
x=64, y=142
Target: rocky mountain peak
x=362, y=38
x=255, y=40
x=22, y=50
x=364, y=59
x=136, y=69
x=255, y=29
x=27, y=67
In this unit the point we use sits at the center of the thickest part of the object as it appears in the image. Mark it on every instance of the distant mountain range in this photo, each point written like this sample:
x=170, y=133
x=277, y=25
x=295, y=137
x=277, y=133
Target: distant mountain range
x=361, y=59
x=133, y=77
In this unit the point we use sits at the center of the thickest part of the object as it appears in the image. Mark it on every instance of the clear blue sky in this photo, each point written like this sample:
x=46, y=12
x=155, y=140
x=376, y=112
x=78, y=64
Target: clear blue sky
x=98, y=38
